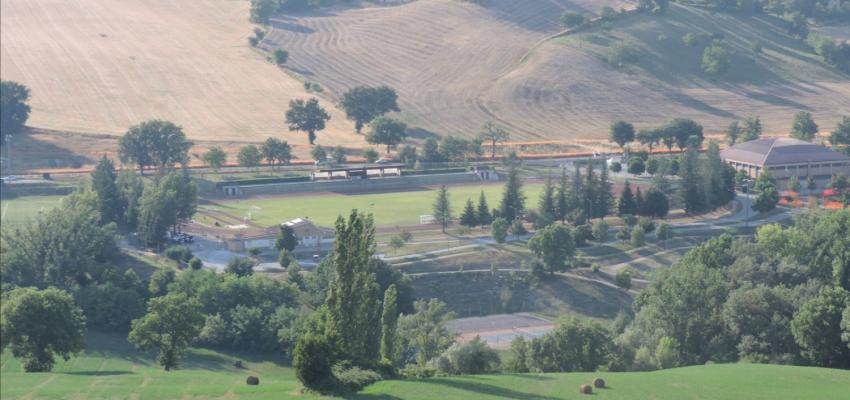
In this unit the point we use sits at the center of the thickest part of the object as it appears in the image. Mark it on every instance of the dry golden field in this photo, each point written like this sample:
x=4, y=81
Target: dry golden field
x=457, y=64
x=100, y=66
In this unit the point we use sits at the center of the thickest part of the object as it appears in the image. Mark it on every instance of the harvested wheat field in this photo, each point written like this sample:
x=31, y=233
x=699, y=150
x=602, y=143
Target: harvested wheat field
x=458, y=64
x=100, y=66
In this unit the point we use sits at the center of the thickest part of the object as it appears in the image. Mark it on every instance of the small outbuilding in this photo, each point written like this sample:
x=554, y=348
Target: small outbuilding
x=786, y=157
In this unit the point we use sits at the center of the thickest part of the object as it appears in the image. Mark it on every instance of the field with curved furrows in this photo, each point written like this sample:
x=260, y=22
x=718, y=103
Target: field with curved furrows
x=440, y=55
x=456, y=65
x=99, y=66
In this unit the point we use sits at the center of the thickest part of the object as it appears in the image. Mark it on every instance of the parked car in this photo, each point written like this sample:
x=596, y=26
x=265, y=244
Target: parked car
x=383, y=161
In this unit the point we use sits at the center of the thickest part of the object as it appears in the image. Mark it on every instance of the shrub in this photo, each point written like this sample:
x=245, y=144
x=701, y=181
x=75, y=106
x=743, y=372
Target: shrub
x=636, y=166
x=312, y=361
x=571, y=19
x=280, y=56
x=623, y=279
x=600, y=231
x=715, y=60
x=353, y=378
x=473, y=357
x=240, y=266
x=616, y=166
x=647, y=224
x=582, y=233
x=667, y=353
x=517, y=228
x=643, y=360
x=689, y=39
x=622, y=52
x=196, y=263
x=500, y=230
x=638, y=236
x=180, y=254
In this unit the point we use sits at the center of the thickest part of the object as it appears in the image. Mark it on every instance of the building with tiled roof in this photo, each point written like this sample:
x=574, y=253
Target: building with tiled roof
x=786, y=157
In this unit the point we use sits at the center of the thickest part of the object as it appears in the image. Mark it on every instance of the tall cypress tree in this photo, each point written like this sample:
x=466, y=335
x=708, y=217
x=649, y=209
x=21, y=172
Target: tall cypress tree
x=576, y=198
x=626, y=205
x=109, y=199
x=606, y=198
x=469, y=217
x=562, y=202
x=353, y=304
x=640, y=206
x=547, y=200
x=513, y=200
x=714, y=184
x=484, y=216
x=390, y=350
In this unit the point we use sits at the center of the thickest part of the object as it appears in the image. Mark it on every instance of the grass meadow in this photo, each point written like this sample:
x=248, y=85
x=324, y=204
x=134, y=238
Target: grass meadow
x=112, y=369
x=396, y=208
x=20, y=209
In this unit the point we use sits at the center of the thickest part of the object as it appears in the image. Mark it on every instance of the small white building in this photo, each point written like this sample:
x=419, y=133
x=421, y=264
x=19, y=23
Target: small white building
x=310, y=236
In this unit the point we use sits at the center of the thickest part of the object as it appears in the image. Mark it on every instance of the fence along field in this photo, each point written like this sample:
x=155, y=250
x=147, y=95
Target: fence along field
x=100, y=66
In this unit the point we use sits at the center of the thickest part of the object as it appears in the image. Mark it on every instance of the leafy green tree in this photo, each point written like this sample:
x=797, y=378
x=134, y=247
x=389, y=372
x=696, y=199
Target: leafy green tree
x=425, y=331
x=407, y=155
x=280, y=56
x=733, y=131
x=171, y=323
x=626, y=204
x=751, y=130
x=157, y=214
x=353, y=302
x=443, y=208
x=715, y=60
x=109, y=199
x=841, y=135
x=64, y=247
x=109, y=307
x=760, y=319
x=362, y=104
x=484, y=217
x=371, y=155
x=571, y=19
x=214, y=158
x=131, y=188
x=387, y=131
x=636, y=166
x=307, y=116
x=622, y=133
x=817, y=329
x=37, y=324
x=600, y=231
x=493, y=133
x=638, y=236
x=574, y=345
x=500, y=229
x=691, y=192
x=768, y=196
x=473, y=357
x=318, y=153
x=667, y=353
x=649, y=138
x=513, y=200
x=154, y=143
x=249, y=156
x=519, y=360
x=453, y=148
x=390, y=349
x=286, y=239
x=623, y=279
x=431, y=150
x=652, y=166
x=683, y=130
x=656, y=204
x=14, y=108
x=240, y=266
x=161, y=278
x=338, y=155
x=554, y=245
x=469, y=216
x=804, y=126
x=794, y=184
x=547, y=204
x=312, y=359
x=261, y=10
x=276, y=151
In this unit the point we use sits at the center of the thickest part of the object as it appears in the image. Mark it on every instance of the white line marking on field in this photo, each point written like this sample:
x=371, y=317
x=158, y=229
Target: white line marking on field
x=3, y=214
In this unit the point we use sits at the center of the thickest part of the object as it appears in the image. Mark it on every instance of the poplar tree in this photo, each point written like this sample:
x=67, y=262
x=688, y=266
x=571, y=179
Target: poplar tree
x=604, y=195
x=590, y=192
x=353, y=311
x=562, y=197
x=109, y=200
x=626, y=205
x=389, y=326
x=640, y=205
x=691, y=191
x=442, y=208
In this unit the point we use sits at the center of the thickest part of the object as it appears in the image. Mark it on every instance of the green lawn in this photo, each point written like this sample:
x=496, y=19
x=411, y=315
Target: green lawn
x=397, y=208
x=18, y=210
x=112, y=369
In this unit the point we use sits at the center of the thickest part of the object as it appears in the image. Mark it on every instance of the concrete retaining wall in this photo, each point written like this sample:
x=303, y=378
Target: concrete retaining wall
x=388, y=183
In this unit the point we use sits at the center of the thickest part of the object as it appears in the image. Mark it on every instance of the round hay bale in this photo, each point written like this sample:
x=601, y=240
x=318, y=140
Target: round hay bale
x=586, y=389
x=238, y=364
x=253, y=380
x=599, y=383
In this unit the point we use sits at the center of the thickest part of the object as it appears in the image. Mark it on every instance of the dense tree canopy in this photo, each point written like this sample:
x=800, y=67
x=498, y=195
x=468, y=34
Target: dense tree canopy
x=362, y=104
x=387, y=131
x=307, y=116
x=170, y=325
x=157, y=143
x=14, y=108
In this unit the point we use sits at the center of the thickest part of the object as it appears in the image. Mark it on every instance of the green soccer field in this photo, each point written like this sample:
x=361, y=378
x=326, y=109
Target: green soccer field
x=112, y=369
x=18, y=210
x=397, y=208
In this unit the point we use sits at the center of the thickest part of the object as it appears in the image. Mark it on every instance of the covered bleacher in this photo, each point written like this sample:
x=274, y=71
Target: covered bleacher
x=357, y=172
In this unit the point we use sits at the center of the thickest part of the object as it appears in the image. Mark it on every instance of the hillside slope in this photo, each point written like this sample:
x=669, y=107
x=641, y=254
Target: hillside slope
x=456, y=65
x=100, y=66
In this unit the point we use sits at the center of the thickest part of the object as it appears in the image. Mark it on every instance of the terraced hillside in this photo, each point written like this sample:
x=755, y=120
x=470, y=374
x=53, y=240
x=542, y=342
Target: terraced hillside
x=100, y=66
x=457, y=64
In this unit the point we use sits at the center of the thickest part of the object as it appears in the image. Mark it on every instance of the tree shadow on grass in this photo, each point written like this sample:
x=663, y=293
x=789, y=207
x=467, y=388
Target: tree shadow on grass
x=97, y=373
x=482, y=388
